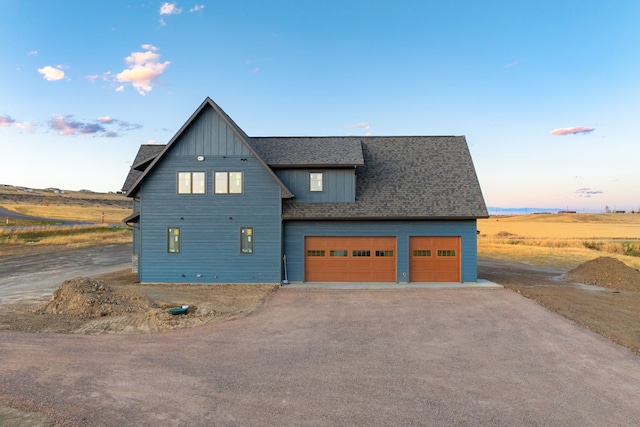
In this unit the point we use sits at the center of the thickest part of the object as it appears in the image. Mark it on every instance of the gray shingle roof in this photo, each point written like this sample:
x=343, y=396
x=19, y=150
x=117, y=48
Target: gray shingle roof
x=406, y=177
x=289, y=152
x=146, y=154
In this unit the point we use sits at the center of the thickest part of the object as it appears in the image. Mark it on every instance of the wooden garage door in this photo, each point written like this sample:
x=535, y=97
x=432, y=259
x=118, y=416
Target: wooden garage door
x=434, y=259
x=350, y=259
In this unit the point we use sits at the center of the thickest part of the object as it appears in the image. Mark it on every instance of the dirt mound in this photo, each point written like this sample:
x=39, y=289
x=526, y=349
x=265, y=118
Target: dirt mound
x=87, y=297
x=607, y=272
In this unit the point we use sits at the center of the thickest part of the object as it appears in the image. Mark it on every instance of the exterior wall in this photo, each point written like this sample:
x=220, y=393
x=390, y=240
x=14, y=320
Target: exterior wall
x=295, y=231
x=339, y=185
x=210, y=223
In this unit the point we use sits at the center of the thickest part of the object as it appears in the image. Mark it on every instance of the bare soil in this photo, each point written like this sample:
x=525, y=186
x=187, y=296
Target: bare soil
x=115, y=303
x=602, y=294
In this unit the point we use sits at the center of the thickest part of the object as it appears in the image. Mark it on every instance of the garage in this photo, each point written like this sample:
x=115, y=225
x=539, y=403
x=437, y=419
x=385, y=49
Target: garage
x=434, y=259
x=350, y=259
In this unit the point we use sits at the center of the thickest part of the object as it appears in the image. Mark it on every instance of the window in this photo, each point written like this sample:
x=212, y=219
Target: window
x=315, y=253
x=315, y=181
x=361, y=253
x=422, y=253
x=173, y=241
x=384, y=253
x=228, y=182
x=191, y=182
x=246, y=240
x=338, y=253
x=449, y=252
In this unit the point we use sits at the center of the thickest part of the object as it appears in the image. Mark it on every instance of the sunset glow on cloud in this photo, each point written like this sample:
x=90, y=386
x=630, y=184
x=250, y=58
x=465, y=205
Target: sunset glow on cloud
x=143, y=69
x=572, y=131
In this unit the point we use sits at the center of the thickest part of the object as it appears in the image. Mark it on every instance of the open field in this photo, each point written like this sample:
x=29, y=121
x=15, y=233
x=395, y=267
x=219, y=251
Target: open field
x=561, y=240
x=72, y=205
x=18, y=236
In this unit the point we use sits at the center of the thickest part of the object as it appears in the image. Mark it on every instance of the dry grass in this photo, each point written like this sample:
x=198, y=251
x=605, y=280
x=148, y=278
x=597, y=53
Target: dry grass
x=583, y=226
x=561, y=240
x=72, y=205
x=88, y=213
x=76, y=236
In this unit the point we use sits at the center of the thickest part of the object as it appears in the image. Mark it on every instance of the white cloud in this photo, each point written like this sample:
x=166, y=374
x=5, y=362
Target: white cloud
x=32, y=53
x=143, y=69
x=105, y=119
x=51, y=74
x=169, y=9
x=196, y=8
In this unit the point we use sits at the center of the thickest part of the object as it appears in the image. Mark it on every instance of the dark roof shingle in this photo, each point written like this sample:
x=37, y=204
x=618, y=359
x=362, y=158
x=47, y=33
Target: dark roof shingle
x=407, y=177
x=289, y=152
x=144, y=157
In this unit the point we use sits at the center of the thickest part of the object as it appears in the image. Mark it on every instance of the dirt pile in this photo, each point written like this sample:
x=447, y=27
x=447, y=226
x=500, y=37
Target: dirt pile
x=88, y=298
x=606, y=272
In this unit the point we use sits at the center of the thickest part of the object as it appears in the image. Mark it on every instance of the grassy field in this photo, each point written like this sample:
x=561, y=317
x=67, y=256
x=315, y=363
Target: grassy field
x=72, y=205
x=75, y=212
x=561, y=240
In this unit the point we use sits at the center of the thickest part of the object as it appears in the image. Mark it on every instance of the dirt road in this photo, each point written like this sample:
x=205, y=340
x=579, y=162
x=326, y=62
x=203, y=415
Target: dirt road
x=37, y=275
x=326, y=357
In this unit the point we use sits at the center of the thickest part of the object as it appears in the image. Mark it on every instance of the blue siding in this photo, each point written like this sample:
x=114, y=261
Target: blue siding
x=210, y=223
x=295, y=232
x=339, y=185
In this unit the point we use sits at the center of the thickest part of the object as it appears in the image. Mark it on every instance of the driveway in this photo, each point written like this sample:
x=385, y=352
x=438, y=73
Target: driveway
x=37, y=276
x=336, y=357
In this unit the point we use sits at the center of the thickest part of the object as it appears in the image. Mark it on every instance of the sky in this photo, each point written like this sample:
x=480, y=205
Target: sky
x=546, y=92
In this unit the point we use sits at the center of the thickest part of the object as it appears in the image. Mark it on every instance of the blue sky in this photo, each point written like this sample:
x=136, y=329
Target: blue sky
x=546, y=92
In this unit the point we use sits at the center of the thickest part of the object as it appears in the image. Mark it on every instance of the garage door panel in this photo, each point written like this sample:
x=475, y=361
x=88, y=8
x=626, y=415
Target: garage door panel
x=434, y=259
x=350, y=259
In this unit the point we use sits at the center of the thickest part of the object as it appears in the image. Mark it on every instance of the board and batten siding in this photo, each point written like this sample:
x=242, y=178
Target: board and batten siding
x=339, y=185
x=295, y=232
x=210, y=223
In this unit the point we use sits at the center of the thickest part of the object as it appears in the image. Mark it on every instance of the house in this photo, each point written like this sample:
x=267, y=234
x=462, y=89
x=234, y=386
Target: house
x=215, y=205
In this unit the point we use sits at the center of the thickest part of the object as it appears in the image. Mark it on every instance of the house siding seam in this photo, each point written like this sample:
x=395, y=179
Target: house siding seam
x=296, y=231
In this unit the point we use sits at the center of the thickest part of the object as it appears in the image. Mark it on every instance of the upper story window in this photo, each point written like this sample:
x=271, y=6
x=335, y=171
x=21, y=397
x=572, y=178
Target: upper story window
x=315, y=181
x=227, y=182
x=191, y=182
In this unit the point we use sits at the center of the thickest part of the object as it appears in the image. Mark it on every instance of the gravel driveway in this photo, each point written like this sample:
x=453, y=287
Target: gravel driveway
x=336, y=357
x=38, y=275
